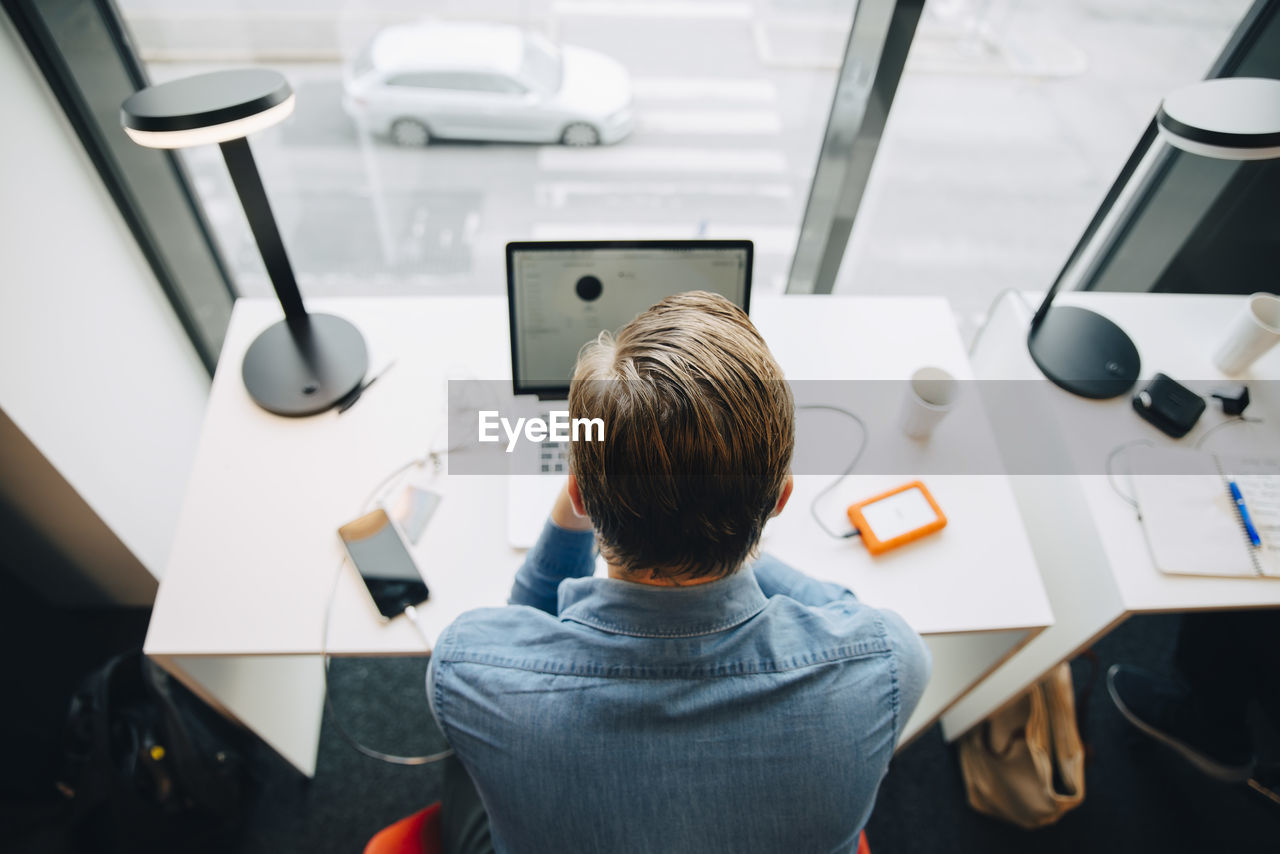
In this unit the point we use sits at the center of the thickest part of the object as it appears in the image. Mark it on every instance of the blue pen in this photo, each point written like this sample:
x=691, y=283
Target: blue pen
x=1244, y=514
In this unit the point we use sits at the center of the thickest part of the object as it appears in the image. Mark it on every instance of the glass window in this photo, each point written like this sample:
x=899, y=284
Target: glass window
x=461, y=81
x=708, y=118
x=1198, y=224
x=1010, y=124
x=540, y=64
x=419, y=80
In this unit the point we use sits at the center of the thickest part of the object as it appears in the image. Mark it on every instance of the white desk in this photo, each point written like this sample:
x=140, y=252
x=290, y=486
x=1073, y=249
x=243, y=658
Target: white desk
x=240, y=611
x=1087, y=539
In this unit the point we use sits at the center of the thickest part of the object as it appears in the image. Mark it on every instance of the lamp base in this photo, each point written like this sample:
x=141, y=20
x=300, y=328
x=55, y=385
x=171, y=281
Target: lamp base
x=305, y=366
x=1084, y=352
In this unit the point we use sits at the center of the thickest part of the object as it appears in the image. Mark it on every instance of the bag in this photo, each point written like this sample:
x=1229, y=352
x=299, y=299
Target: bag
x=1025, y=763
x=145, y=761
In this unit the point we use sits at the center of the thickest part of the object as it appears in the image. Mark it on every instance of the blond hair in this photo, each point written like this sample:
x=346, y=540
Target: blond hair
x=699, y=433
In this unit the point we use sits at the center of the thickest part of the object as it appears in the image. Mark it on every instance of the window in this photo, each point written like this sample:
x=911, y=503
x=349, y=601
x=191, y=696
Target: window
x=460, y=81
x=1010, y=124
x=710, y=115
x=540, y=64
x=1191, y=224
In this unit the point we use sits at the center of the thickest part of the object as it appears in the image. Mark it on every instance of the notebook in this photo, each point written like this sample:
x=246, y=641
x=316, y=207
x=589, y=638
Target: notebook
x=1190, y=516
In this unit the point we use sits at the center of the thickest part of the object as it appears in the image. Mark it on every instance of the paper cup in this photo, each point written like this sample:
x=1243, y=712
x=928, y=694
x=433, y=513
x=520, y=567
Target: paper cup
x=1254, y=332
x=931, y=394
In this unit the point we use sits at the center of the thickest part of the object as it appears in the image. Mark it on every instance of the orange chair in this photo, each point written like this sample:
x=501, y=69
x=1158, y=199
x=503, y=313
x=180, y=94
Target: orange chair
x=415, y=834
x=420, y=834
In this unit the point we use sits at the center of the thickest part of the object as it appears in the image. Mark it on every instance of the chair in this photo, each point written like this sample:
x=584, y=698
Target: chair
x=420, y=834
x=415, y=834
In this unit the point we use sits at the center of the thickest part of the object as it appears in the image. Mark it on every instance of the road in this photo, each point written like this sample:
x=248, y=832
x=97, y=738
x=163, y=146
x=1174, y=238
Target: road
x=725, y=146
x=1012, y=120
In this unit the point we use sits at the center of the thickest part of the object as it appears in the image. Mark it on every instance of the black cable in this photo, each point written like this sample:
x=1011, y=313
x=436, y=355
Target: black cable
x=813, y=505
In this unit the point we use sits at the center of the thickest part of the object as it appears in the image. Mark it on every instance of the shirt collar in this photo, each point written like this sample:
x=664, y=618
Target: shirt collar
x=645, y=610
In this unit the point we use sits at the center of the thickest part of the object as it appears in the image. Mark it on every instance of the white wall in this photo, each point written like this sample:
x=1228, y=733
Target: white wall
x=95, y=368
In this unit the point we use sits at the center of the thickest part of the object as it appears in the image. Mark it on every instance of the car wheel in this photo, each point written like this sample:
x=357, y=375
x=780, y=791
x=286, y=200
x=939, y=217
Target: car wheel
x=579, y=134
x=409, y=133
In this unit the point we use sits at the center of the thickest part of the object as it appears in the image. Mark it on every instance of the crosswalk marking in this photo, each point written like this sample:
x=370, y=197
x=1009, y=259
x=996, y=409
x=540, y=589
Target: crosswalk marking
x=768, y=239
x=668, y=10
x=713, y=88
x=626, y=158
x=556, y=194
x=709, y=121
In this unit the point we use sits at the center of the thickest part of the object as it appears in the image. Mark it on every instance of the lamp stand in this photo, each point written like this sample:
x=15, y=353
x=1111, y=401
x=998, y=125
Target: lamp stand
x=1083, y=352
x=307, y=362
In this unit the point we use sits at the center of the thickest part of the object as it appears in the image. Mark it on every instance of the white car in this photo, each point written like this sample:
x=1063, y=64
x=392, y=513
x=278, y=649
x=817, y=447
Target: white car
x=416, y=82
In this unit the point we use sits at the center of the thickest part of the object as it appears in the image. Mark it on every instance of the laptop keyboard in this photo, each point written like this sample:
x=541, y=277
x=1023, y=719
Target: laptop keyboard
x=553, y=457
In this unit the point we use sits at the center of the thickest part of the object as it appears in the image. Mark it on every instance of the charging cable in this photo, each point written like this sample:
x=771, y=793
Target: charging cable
x=1230, y=422
x=813, y=505
x=1111, y=474
x=432, y=458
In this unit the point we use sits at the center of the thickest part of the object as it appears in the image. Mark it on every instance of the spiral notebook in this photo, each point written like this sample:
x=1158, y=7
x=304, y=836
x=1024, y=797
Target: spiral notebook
x=1191, y=519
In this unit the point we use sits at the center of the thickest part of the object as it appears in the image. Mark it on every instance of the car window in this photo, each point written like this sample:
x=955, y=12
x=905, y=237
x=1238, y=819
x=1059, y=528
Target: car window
x=417, y=79
x=459, y=81
x=364, y=62
x=504, y=84
x=541, y=64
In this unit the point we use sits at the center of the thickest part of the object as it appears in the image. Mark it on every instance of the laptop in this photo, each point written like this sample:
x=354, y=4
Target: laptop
x=561, y=295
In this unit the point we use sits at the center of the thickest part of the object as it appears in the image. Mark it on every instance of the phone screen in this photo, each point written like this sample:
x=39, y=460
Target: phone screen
x=384, y=562
x=899, y=514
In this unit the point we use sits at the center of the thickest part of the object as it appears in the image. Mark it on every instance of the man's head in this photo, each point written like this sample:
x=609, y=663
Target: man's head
x=699, y=432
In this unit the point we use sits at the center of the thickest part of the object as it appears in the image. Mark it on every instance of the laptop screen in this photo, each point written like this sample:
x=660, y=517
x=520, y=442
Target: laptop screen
x=562, y=295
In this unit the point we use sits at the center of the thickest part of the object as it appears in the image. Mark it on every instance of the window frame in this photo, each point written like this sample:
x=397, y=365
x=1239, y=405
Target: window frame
x=76, y=43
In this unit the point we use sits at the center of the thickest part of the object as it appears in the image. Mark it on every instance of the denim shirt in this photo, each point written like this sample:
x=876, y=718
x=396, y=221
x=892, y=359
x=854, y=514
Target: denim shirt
x=753, y=713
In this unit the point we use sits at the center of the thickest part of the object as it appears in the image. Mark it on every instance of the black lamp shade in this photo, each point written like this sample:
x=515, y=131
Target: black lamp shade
x=206, y=108
x=305, y=363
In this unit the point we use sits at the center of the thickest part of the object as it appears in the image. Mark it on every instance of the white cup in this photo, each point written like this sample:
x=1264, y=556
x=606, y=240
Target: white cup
x=931, y=394
x=1254, y=332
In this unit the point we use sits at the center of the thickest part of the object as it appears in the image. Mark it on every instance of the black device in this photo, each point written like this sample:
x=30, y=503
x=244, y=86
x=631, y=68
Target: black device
x=384, y=562
x=1169, y=405
x=1234, y=399
x=1082, y=351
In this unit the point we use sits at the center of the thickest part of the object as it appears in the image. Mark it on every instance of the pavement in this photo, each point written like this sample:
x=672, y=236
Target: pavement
x=1011, y=121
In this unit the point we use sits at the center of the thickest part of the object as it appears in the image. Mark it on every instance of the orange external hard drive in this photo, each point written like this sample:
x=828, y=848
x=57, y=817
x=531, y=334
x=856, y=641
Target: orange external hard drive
x=896, y=517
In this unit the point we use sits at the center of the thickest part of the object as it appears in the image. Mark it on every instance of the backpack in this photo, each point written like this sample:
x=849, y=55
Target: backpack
x=145, y=762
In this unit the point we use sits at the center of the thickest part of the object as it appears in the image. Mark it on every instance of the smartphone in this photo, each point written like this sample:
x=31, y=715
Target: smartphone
x=383, y=561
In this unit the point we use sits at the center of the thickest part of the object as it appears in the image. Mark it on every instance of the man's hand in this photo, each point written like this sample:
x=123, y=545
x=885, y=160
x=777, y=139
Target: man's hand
x=565, y=516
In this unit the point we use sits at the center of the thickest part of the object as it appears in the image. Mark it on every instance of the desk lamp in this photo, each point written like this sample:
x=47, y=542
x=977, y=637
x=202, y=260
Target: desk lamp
x=1232, y=118
x=305, y=363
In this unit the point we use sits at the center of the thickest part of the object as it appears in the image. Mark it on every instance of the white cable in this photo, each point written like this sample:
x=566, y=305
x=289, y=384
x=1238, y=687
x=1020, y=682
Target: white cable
x=991, y=310
x=1235, y=419
x=1116, y=451
x=432, y=457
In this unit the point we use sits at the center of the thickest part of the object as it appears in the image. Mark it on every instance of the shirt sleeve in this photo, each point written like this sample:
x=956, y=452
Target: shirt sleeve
x=913, y=662
x=433, y=674
x=558, y=554
x=778, y=579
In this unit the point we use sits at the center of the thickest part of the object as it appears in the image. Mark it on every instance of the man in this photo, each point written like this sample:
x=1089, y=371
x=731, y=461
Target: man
x=697, y=699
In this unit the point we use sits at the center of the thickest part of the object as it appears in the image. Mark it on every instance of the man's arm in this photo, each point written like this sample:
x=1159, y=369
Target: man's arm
x=565, y=549
x=914, y=665
x=778, y=579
